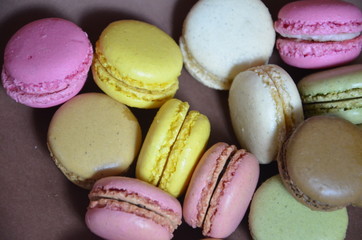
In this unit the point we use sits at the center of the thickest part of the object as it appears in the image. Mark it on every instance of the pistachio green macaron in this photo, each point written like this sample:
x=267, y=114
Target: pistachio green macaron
x=335, y=91
x=276, y=215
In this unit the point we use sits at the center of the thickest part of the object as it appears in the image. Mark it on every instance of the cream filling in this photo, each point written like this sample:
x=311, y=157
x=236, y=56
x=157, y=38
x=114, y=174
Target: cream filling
x=323, y=38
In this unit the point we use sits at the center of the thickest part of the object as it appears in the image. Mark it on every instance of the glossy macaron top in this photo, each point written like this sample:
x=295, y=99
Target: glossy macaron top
x=319, y=17
x=220, y=190
x=321, y=163
x=140, y=54
x=332, y=85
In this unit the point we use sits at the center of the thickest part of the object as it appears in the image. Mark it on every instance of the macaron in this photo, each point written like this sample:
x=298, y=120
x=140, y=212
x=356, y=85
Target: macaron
x=220, y=190
x=172, y=147
x=319, y=33
x=265, y=107
x=93, y=136
x=129, y=209
x=274, y=212
x=321, y=163
x=222, y=38
x=137, y=64
x=335, y=91
x=46, y=62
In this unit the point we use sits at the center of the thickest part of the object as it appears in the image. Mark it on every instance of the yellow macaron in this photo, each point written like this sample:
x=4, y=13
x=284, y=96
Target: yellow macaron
x=137, y=64
x=173, y=145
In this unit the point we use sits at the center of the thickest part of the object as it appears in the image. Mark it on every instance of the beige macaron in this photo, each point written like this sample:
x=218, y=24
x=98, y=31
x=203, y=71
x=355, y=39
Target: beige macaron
x=265, y=107
x=93, y=136
x=222, y=38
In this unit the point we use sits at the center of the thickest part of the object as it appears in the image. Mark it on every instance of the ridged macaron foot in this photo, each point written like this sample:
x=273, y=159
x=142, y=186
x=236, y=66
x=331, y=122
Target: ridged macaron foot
x=222, y=38
x=46, y=62
x=319, y=33
x=275, y=214
x=172, y=147
x=336, y=91
x=321, y=163
x=265, y=107
x=93, y=136
x=129, y=209
x=137, y=64
x=220, y=190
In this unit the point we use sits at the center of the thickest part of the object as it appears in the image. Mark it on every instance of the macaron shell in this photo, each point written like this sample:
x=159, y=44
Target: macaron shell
x=277, y=108
x=319, y=17
x=214, y=47
x=323, y=176
x=159, y=139
x=203, y=183
x=110, y=224
x=46, y=62
x=274, y=212
x=332, y=85
x=232, y=195
x=86, y=138
x=131, y=50
x=185, y=153
x=313, y=55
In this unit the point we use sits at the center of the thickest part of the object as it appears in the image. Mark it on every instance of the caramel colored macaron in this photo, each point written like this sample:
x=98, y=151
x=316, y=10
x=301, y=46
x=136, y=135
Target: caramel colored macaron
x=321, y=163
x=93, y=136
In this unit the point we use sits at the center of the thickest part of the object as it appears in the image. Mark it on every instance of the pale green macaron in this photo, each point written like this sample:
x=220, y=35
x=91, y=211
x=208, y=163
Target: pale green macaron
x=276, y=215
x=335, y=91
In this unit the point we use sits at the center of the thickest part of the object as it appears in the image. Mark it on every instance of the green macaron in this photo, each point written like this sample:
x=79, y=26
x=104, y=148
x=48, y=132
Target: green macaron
x=275, y=214
x=335, y=91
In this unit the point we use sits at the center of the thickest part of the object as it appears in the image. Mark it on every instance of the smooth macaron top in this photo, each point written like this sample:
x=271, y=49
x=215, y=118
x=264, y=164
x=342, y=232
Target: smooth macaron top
x=332, y=85
x=220, y=190
x=140, y=54
x=274, y=212
x=46, y=54
x=319, y=17
x=222, y=38
x=321, y=163
x=92, y=136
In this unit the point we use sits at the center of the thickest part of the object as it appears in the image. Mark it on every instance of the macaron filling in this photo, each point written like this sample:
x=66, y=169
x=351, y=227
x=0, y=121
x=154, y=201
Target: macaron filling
x=134, y=203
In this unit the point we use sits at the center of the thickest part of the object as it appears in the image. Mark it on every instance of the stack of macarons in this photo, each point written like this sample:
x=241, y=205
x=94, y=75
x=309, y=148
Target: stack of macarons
x=142, y=188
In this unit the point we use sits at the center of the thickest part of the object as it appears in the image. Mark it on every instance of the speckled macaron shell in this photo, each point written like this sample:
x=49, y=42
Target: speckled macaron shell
x=335, y=91
x=93, y=136
x=221, y=38
x=274, y=212
x=321, y=163
x=264, y=107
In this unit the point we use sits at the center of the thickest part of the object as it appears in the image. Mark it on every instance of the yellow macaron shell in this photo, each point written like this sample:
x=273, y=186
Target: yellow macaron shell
x=92, y=136
x=159, y=140
x=140, y=56
x=185, y=153
x=172, y=147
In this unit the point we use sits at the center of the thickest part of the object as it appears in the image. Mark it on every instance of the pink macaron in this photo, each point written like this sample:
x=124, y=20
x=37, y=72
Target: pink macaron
x=129, y=209
x=220, y=190
x=319, y=33
x=46, y=62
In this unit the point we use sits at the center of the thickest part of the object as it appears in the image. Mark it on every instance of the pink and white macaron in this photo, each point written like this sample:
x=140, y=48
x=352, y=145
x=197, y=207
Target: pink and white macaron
x=319, y=33
x=220, y=190
x=124, y=208
x=46, y=62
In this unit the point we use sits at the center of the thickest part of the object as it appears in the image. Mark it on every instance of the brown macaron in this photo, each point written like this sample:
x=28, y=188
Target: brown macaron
x=321, y=163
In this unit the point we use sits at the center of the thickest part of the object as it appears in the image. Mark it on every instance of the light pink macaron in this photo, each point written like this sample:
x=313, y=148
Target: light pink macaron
x=46, y=62
x=319, y=33
x=220, y=190
x=129, y=209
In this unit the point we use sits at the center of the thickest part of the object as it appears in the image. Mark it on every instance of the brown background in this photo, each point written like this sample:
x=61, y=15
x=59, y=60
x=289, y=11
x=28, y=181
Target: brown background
x=36, y=200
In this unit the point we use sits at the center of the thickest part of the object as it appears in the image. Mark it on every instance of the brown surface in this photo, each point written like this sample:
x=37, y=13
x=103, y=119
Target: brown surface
x=37, y=201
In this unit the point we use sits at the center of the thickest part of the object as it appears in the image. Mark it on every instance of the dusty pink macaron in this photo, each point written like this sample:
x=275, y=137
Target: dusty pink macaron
x=130, y=209
x=220, y=190
x=46, y=62
x=319, y=33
